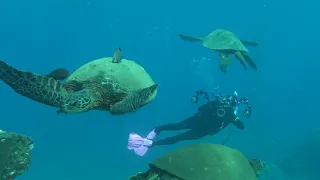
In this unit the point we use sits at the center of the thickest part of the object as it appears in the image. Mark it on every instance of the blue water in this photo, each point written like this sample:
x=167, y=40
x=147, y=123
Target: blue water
x=40, y=36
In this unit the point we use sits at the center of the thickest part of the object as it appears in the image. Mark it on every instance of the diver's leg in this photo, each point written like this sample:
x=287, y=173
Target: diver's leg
x=183, y=125
x=188, y=135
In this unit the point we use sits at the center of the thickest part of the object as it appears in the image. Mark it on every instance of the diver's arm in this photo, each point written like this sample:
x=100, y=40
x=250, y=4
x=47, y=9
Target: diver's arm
x=238, y=123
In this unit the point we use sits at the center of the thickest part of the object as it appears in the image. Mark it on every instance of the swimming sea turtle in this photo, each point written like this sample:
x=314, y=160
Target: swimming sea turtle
x=100, y=84
x=203, y=162
x=227, y=44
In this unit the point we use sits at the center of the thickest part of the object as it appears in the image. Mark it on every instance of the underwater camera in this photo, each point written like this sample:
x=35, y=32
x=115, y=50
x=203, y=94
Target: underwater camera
x=231, y=100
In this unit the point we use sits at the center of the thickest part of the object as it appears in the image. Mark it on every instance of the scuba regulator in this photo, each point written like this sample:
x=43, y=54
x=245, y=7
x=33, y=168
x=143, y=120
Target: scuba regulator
x=229, y=100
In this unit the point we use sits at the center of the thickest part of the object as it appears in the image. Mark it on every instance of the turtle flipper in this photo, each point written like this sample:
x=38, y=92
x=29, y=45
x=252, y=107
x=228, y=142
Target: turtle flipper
x=242, y=60
x=225, y=60
x=190, y=38
x=133, y=101
x=39, y=88
x=139, y=176
x=250, y=61
x=249, y=43
x=257, y=165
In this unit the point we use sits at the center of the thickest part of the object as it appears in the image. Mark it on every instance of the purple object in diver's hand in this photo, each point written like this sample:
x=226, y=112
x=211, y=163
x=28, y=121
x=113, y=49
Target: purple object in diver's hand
x=152, y=135
x=138, y=144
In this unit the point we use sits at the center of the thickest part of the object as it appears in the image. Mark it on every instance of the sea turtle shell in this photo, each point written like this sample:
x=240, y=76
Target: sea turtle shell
x=128, y=74
x=221, y=39
x=205, y=162
x=118, y=80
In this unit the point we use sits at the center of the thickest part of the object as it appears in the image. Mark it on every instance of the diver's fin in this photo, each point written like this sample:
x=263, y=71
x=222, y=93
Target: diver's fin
x=190, y=38
x=242, y=60
x=250, y=61
x=249, y=43
x=134, y=100
x=39, y=88
x=225, y=60
x=59, y=74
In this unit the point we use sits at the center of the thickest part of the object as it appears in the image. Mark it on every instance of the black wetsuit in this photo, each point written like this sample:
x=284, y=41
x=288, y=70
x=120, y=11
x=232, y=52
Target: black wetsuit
x=205, y=122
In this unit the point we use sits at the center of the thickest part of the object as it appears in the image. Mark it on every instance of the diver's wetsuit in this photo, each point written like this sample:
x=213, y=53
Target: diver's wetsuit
x=206, y=122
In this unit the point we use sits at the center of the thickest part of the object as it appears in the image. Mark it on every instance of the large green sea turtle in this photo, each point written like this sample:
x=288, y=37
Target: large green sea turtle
x=100, y=84
x=227, y=44
x=203, y=162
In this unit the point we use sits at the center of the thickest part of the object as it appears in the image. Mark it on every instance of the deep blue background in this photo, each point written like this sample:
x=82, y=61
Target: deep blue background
x=42, y=35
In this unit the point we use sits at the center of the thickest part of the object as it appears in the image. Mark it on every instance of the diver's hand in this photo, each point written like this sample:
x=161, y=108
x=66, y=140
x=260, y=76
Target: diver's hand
x=238, y=123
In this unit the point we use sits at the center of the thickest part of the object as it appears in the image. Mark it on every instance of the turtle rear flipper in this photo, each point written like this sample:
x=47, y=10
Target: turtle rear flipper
x=242, y=60
x=133, y=101
x=190, y=38
x=251, y=63
x=225, y=60
x=249, y=43
x=39, y=88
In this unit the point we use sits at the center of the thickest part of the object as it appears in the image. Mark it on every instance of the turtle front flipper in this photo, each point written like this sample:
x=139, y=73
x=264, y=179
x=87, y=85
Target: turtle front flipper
x=257, y=165
x=251, y=63
x=139, y=176
x=190, y=38
x=242, y=60
x=249, y=43
x=149, y=175
x=225, y=60
x=134, y=100
x=39, y=88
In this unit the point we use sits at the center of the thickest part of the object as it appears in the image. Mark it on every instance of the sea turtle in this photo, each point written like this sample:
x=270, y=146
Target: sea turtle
x=100, y=84
x=15, y=154
x=227, y=44
x=203, y=162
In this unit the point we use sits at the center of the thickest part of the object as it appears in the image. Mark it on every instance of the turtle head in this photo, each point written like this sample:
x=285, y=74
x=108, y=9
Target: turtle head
x=77, y=102
x=257, y=165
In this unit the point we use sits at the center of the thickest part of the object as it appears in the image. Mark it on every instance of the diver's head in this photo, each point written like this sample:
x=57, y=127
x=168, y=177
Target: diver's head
x=234, y=101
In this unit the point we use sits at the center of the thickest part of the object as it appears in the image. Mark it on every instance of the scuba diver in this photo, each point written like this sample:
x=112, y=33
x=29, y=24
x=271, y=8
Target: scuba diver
x=210, y=119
